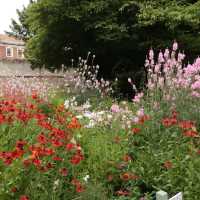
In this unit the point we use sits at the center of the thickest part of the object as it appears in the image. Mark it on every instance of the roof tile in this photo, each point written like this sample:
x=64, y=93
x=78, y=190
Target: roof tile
x=7, y=38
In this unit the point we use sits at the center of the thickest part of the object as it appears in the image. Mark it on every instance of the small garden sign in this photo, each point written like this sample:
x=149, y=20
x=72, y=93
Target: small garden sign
x=178, y=196
x=162, y=195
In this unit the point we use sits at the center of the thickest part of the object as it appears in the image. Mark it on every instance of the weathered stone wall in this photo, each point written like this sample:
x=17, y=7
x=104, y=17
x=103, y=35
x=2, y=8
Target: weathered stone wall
x=8, y=68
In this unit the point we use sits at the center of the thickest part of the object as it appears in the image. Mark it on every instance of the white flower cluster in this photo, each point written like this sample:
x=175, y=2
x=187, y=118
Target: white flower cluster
x=85, y=77
x=121, y=116
x=18, y=87
x=70, y=103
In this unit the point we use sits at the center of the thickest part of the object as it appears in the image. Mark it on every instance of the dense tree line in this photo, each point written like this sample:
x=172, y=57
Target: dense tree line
x=118, y=32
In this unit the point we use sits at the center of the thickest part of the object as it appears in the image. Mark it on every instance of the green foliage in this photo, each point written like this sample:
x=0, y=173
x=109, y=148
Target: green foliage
x=118, y=32
x=21, y=29
x=94, y=192
x=105, y=149
x=101, y=150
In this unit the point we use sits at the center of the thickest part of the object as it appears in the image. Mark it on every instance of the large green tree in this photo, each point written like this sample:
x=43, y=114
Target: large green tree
x=119, y=32
x=103, y=27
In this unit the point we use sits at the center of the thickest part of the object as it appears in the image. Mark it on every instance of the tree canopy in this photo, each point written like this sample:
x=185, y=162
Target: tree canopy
x=118, y=32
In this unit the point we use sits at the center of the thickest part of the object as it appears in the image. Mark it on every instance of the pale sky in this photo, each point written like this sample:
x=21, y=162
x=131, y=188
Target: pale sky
x=8, y=11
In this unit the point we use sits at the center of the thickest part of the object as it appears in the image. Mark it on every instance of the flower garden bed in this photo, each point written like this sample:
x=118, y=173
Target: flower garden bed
x=79, y=143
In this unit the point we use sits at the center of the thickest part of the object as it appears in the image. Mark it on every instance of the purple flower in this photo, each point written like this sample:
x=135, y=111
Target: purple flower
x=115, y=108
x=175, y=46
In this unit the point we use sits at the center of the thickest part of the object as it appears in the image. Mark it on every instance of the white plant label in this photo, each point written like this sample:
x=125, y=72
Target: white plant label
x=178, y=196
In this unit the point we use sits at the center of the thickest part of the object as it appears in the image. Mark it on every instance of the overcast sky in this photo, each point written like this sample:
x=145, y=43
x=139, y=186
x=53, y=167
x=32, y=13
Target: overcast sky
x=8, y=11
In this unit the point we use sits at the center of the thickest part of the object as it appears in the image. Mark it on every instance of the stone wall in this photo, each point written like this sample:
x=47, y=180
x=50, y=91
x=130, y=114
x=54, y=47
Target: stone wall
x=8, y=68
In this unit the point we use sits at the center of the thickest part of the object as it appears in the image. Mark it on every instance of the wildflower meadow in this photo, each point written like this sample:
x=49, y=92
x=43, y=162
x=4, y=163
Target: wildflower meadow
x=76, y=140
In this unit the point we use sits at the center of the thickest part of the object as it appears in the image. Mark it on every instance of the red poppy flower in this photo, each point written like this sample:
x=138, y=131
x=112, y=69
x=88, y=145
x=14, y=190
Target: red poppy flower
x=56, y=143
x=143, y=119
x=79, y=188
x=20, y=144
x=23, y=116
x=27, y=162
x=61, y=108
x=75, y=181
x=9, y=119
x=61, y=119
x=122, y=193
x=76, y=159
x=58, y=133
x=8, y=161
x=37, y=162
x=17, y=153
x=126, y=158
x=41, y=138
x=70, y=146
x=174, y=114
x=2, y=119
x=186, y=124
x=13, y=189
x=190, y=133
x=45, y=125
x=168, y=164
x=166, y=122
x=49, y=165
x=57, y=158
x=173, y=121
x=74, y=124
x=31, y=106
x=64, y=171
x=126, y=176
x=48, y=152
x=35, y=153
x=110, y=178
x=40, y=116
x=24, y=197
x=42, y=169
x=136, y=130
x=34, y=95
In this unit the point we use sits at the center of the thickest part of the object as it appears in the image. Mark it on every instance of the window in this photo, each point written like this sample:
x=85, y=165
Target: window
x=20, y=53
x=9, y=52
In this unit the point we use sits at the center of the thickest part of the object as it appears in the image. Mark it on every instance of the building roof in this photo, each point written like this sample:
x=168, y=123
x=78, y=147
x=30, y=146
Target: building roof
x=6, y=39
